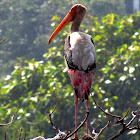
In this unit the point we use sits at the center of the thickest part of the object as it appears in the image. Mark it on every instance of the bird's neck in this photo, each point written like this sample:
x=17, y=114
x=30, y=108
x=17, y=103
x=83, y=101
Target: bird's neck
x=75, y=27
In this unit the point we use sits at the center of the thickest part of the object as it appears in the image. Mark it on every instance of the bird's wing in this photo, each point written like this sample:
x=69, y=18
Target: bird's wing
x=68, y=54
x=79, y=52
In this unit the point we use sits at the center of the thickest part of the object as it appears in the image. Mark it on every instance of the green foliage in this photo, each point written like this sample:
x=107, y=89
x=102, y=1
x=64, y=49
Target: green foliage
x=112, y=6
x=26, y=26
x=36, y=85
x=117, y=45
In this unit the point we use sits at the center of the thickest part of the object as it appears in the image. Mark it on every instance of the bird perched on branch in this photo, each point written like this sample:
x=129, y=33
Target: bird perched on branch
x=80, y=56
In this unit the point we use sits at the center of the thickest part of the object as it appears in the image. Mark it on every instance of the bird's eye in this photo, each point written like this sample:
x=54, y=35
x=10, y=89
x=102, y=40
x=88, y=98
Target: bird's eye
x=72, y=9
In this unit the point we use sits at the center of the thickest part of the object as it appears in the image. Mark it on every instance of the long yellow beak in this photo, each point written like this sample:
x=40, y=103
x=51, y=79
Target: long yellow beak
x=68, y=18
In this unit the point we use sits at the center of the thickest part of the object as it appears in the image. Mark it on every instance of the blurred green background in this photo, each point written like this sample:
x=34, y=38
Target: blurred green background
x=33, y=75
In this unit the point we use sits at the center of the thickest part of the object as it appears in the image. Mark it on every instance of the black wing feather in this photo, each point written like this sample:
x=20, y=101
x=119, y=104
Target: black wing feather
x=92, y=41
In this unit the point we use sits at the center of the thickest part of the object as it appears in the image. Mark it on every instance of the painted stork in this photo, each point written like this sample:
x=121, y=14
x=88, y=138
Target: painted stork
x=80, y=56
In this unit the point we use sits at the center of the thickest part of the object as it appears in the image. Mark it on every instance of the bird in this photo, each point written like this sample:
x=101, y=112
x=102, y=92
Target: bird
x=80, y=56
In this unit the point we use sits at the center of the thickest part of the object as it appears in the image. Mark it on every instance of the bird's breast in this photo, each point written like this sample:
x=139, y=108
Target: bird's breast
x=83, y=51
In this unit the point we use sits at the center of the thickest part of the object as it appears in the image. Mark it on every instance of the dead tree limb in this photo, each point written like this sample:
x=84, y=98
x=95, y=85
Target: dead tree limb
x=13, y=117
x=126, y=126
x=82, y=123
x=69, y=133
x=50, y=114
x=119, y=121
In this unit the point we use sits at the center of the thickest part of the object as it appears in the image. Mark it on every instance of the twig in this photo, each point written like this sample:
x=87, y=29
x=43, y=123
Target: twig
x=68, y=134
x=20, y=133
x=82, y=123
x=122, y=119
x=13, y=117
x=24, y=136
x=101, y=130
x=119, y=121
x=5, y=136
x=2, y=40
x=134, y=116
x=126, y=126
x=66, y=126
x=138, y=120
x=109, y=114
x=50, y=114
x=94, y=129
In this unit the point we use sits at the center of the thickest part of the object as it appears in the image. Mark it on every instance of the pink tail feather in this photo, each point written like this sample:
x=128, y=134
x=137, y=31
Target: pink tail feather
x=81, y=82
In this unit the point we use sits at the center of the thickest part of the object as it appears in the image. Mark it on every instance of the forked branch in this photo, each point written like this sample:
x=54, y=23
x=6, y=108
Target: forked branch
x=119, y=121
x=50, y=114
x=82, y=123
x=69, y=133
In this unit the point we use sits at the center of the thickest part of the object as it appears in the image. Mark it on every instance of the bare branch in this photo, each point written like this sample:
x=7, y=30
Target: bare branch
x=2, y=40
x=126, y=126
x=5, y=136
x=134, y=116
x=112, y=115
x=122, y=119
x=82, y=123
x=13, y=117
x=69, y=134
x=20, y=133
x=138, y=120
x=119, y=121
x=24, y=136
x=96, y=135
x=50, y=114
x=66, y=126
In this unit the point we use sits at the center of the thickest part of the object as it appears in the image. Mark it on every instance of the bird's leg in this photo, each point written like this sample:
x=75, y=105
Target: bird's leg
x=76, y=112
x=87, y=119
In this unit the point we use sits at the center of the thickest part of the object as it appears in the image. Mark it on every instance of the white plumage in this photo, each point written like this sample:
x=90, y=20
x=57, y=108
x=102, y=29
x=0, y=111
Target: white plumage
x=83, y=51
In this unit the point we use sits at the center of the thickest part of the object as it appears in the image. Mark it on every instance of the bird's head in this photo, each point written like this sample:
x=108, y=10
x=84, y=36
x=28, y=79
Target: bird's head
x=78, y=8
